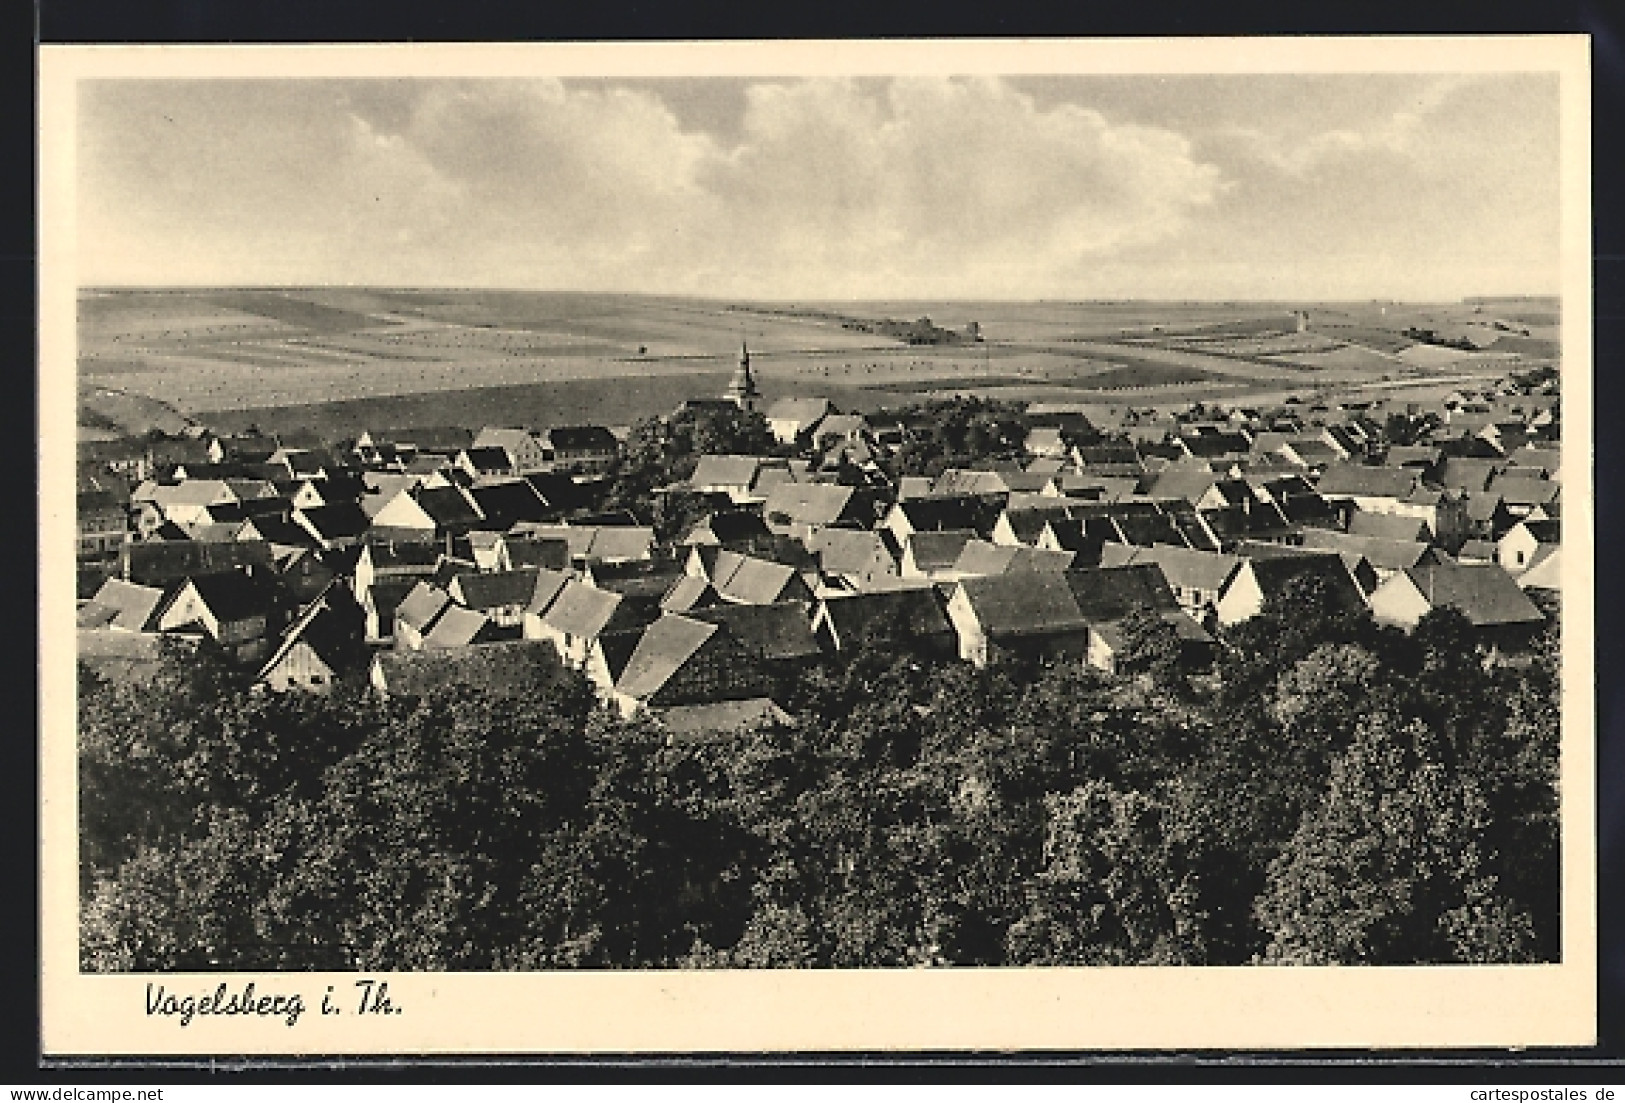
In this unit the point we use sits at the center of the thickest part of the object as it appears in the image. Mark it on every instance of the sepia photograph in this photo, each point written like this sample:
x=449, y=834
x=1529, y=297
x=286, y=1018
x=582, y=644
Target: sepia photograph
x=779, y=526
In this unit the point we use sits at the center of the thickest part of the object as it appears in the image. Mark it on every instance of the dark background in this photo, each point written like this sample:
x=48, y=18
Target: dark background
x=246, y=21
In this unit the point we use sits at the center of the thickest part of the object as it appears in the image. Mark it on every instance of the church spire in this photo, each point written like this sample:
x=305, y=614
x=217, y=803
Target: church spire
x=742, y=390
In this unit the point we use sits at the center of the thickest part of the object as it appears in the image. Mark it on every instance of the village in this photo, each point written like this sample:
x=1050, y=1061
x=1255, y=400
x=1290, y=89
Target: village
x=415, y=557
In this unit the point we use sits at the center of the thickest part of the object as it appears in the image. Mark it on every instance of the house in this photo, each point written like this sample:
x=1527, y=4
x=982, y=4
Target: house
x=1482, y=592
x=433, y=440
x=417, y=613
x=550, y=553
x=1047, y=442
x=185, y=502
x=451, y=509
x=690, y=592
x=902, y=618
x=1108, y=597
x=510, y=668
x=324, y=641
x=847, y=433
x=123, y=606
x=339, y=525
x=1035, y=612
x=378, y=604
x=679, y=660
x=1389, y=526
x=486, y=463
x=857, y=558
x=503, y=596
x=1526, y=543
x=1275, y=578
x=1196, y=578
x=746, y=579
x=932, y=554
x=1394, y=490
x=379, y=561
x=580, y=448
x=779, y=637
x=235, y=609
x=1545, y=578
x=943, y=514
x=161, y=562
x=799, y=509
x=737, y=529
x=1523, y=491
x=792, y=419
x=1016, y=527
x=726, y=474
x=103, y=523
x=689, y=722
x=1383, y=555
x=585, y=625
x=505, y=503
x=523, y=452
x=460, y=627
x=982, y=557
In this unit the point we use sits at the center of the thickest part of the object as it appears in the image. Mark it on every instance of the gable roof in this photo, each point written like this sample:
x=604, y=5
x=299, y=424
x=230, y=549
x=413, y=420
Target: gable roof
x=1484, y=593
x=720, y=717
x=725, y=470
x=329, y=626
x=1106, y=594
x=842, y=551
x=934, y=550
x=155, y=562
x=1023, y=605
x=120, y=604
x=447, y=506
x=581, y=610
x=233, y=595
x=499, y=669
x=505, y=504
x=689, y=592
x=753, y=581
x=1276, y=573
x=901, y=615
x=808, y=503
x=456, y=627
x=495, y=589
x=780, y=631
x=1350, y=480
x=339, y=521
x=1188, y=568
x=665, y=646
x=538, y=551
x=803, y=411
x=422, y=604
x=581, y=438
x=980, y=557
x=729, y=527
x=1387, y=526
x=1380, y=552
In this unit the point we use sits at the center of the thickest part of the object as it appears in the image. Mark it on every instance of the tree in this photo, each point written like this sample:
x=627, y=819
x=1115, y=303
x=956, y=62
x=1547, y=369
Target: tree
x=1116, y=887
x=1392, y=867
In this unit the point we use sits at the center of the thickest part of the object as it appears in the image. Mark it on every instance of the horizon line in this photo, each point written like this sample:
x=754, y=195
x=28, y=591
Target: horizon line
x=1096, y=300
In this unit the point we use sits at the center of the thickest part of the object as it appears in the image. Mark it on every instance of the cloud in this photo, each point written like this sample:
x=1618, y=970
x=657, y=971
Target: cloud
x=1400, y=134
x=829, y=188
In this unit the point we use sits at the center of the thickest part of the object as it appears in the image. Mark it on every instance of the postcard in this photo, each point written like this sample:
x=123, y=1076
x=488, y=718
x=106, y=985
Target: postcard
x=816, y=547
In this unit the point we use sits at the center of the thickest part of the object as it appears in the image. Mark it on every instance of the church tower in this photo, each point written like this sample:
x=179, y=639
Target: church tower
x=742, y=390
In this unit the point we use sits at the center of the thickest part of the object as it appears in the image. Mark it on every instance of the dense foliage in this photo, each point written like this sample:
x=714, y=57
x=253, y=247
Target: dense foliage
x=1330, y=792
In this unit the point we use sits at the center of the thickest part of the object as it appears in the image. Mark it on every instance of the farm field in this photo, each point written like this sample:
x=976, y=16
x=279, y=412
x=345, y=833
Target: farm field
x=352, y=357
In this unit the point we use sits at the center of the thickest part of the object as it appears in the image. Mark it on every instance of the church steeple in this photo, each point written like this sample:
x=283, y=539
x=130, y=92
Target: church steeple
x=742, y=390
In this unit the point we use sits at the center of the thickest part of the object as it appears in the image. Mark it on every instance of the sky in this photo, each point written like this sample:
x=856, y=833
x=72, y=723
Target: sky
x=1422, y=187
